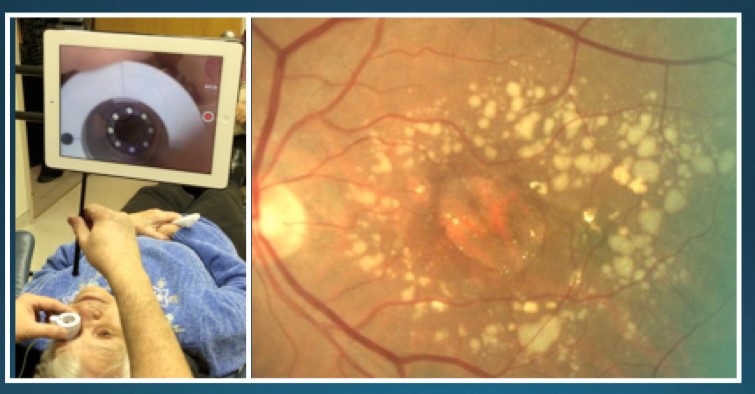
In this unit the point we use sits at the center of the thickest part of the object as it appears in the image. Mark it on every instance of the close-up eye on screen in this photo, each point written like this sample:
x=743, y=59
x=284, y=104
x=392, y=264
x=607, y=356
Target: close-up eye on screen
x=494, y=197
x=135, y=107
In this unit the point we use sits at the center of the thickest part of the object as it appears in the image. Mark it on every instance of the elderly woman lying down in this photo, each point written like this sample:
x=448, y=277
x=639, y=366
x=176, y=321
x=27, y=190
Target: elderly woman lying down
x=168, y=303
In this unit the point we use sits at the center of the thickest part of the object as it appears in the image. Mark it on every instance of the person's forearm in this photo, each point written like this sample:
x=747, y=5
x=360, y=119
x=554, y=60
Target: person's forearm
x=153, y=348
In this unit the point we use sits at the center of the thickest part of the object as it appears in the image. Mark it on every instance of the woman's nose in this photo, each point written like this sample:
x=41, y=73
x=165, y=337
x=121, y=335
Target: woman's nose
x=96, y=314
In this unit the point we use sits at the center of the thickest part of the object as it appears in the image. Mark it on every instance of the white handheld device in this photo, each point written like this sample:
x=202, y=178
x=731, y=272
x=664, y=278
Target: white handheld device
x=71, y=321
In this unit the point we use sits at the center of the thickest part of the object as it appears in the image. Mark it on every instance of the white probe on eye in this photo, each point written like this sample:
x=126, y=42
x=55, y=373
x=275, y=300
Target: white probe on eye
x=186, y=221
x=71, y=321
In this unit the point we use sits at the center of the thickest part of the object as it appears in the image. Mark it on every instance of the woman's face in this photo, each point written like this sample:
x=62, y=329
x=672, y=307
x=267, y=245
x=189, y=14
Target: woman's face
x=100, y=344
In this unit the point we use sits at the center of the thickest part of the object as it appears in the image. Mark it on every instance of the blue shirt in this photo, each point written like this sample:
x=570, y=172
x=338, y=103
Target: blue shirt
x=199, y=281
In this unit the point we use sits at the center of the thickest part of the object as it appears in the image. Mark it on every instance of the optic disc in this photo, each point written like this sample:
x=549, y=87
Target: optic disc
x=282, y=220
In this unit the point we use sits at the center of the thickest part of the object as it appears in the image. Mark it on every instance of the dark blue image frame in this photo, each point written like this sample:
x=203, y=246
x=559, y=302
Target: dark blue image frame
x=747, y=8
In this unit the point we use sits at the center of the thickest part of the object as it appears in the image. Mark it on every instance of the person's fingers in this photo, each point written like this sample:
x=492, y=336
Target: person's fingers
x=152, y=232
x=168, y=229
x=94, y=212
x=49, y=305
x=80, y=228
x=42, y=330
x=157, y=217
x=148, y=223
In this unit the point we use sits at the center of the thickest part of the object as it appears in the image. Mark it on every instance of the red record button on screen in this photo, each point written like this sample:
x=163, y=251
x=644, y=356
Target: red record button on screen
x=208, y=116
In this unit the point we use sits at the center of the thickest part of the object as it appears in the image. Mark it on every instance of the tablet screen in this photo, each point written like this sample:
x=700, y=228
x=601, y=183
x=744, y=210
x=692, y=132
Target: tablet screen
x=146, y=108
x=138, y=106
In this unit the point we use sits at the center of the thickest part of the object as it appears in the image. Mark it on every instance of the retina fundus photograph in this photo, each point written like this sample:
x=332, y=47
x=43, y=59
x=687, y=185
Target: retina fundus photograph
x=494, y=198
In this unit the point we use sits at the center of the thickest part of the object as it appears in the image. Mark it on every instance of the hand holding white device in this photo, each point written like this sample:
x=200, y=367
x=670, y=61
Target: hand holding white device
x=186, y=221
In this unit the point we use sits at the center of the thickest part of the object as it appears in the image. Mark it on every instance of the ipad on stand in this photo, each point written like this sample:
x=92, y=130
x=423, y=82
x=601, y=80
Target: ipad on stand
x=137, y=106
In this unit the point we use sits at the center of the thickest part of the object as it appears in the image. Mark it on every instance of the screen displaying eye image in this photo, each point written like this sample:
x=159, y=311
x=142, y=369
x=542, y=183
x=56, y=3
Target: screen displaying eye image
x=135, y=107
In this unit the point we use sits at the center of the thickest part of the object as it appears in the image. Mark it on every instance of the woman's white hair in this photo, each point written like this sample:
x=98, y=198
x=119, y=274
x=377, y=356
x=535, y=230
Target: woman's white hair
x=53, y=364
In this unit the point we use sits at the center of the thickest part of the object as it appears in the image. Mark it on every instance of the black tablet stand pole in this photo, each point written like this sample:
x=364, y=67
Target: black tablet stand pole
x=77, y=248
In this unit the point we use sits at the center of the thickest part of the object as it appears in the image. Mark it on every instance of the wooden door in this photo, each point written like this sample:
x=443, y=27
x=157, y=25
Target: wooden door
x=194, y=27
